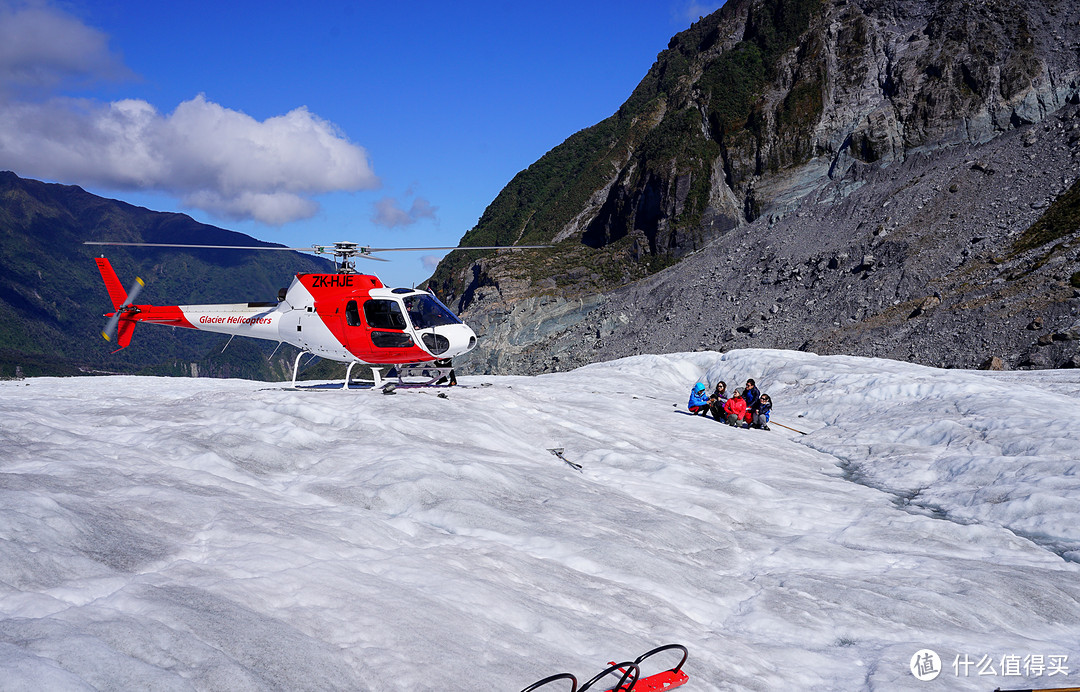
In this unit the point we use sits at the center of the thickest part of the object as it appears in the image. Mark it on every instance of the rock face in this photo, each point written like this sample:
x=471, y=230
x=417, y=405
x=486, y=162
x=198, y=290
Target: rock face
x=877, y=177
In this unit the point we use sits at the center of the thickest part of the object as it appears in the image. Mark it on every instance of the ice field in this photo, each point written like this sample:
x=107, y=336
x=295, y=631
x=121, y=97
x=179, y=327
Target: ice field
x=198, y=534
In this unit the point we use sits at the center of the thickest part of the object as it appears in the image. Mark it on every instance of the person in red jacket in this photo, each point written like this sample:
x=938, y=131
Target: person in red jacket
x=735, y=408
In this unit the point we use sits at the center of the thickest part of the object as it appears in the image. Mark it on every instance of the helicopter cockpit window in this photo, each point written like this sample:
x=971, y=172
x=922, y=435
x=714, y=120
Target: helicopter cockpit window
x=352, y=314
x=426, y=311
x=384, y=314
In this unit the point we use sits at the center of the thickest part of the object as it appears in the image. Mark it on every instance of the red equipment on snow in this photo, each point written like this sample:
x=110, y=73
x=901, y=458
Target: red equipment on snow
x=631, y=680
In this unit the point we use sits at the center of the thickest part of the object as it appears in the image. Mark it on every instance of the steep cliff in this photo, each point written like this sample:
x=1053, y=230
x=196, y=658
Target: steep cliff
x=796, y=152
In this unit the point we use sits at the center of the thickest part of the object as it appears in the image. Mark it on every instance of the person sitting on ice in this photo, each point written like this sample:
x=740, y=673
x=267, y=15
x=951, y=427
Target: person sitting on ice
x=735, y=409
x=751, y=393
x=759, y=412
x=717, y=400
x=699, y=400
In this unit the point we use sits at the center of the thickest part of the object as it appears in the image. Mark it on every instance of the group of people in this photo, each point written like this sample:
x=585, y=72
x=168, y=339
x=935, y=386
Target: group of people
x=744, y=408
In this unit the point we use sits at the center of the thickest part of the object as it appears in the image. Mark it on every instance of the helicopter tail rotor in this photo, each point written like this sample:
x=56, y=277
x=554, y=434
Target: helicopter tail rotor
x=121, y=303
x=110, y=326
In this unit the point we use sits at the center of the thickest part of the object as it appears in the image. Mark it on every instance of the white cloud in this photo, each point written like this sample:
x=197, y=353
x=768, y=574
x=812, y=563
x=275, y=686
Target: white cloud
x=273, y=208
x=430, y=262
x=42, y=48
x=390, y=214
x=214, y=158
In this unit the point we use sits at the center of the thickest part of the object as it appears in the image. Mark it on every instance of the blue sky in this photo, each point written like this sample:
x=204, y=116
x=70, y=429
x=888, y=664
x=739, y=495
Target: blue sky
x=385, y=124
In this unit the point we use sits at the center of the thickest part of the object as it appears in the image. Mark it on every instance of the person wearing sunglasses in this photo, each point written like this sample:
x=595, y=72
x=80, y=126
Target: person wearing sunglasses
x=717, y=400
x=760, y=411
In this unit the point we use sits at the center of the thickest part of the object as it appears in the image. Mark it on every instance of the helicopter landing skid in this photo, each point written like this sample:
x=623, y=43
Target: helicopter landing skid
x=428, y=374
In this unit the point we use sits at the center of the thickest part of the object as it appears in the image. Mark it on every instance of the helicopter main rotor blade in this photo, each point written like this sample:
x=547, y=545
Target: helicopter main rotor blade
x=463, y=247
x=341, y=250
x=317, y=249
x=110, y=326
x=201, y=247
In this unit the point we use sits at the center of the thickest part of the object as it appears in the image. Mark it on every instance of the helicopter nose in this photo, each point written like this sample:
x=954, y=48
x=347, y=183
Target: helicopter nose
x=449, y=340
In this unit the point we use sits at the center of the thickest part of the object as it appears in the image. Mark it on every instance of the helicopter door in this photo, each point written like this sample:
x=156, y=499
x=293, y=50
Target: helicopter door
x=387, y=324
x=357, y=338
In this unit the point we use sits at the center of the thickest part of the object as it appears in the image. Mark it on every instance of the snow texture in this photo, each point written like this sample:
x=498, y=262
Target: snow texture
x=179, y=534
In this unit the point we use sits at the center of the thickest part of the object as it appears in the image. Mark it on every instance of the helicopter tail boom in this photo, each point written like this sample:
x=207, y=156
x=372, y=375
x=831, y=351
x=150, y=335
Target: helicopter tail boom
x=255, y=320
x=125, y=315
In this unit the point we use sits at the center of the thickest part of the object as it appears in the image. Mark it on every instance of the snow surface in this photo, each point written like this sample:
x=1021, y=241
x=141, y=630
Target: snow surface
x=223, y=534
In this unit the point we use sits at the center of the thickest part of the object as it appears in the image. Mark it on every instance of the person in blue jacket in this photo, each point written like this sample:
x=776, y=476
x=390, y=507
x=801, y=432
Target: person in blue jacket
x=699, y=400
x=751, y=394
x=760, y=411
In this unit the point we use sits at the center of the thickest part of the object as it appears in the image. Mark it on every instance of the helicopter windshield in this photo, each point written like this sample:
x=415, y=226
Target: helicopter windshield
x=426, y=311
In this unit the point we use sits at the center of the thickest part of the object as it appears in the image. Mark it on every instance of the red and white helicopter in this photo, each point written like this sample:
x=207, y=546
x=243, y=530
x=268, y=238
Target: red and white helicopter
x=346, y=316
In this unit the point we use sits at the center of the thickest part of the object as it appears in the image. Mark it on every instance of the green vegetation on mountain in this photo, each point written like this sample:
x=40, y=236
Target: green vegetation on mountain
x=1054, y=234
x=649, y=167
x=1061, y=219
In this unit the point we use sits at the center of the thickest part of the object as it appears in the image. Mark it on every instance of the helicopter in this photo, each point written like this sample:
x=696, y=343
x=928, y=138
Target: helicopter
x=347, y=316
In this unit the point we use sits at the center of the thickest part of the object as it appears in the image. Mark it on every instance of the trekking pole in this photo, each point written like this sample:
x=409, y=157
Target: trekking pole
x=791, y=429
x=1044, y=689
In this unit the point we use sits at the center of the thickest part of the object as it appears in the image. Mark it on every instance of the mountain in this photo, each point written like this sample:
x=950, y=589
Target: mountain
x=876, y=177
x=52, y=297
